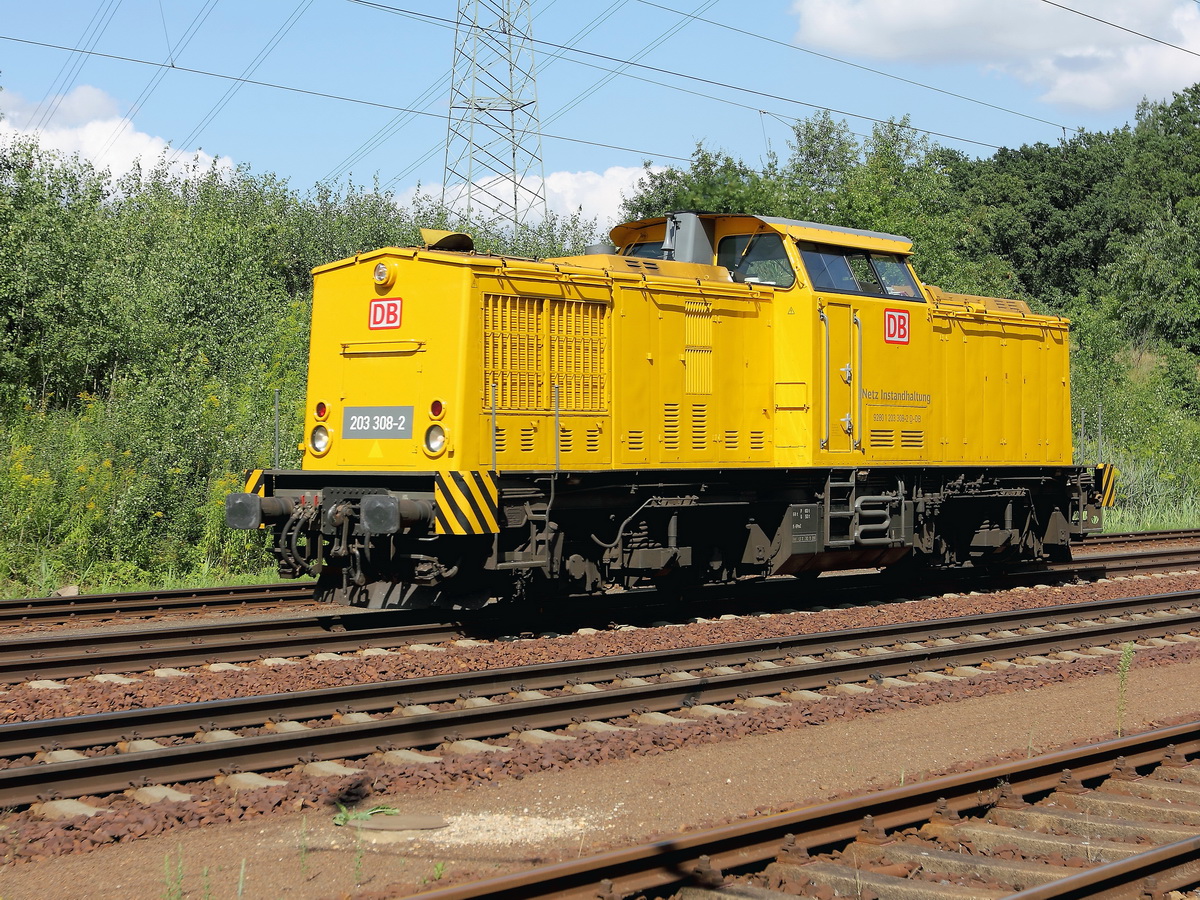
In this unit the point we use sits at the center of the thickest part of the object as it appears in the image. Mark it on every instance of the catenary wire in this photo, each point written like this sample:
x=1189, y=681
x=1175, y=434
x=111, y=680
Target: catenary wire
x=846, y=62
x=250, y=69
x=172, y=51
x=1120, y=27
x=70, y=69
x=324, y=95
x=397, y=123
x=841, y=112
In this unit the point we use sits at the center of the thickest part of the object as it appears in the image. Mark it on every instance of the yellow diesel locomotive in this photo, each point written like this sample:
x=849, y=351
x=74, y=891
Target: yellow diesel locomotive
x=713, y=398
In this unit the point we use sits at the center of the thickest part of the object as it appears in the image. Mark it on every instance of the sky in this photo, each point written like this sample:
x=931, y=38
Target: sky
x=618, y=82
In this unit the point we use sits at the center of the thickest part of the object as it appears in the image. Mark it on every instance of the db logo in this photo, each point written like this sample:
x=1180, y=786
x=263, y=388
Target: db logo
x=895, y=326
x=385, y=314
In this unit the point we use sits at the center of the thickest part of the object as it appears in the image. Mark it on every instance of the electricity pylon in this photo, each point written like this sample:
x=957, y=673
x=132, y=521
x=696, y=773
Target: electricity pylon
x=494, y=172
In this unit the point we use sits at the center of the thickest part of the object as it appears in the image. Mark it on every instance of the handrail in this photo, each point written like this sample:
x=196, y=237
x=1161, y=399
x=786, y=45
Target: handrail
x=825, y=322
x=856, y=440
x=363, y=348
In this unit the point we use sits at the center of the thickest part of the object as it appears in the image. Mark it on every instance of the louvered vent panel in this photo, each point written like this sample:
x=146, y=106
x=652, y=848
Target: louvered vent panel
x=912, y=440
x=512, y=351
x=671, y=426
x=636, y=441
x=532, y=346
x=883, y=438
x=697, y=352
x=758, y=440
x=577, y=344
x=731, y=440
x=591, y=440
x=699, y=426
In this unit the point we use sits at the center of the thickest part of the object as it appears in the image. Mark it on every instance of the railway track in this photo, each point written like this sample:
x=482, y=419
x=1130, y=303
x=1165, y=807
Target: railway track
x=1135, y=537
x=1117, y=820
x=74, y=655
x=71, y=655
x=141, y=604
x=281, y=730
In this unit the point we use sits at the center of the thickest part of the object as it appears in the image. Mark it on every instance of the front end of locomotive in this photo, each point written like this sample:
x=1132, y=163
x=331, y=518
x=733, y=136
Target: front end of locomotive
x=386, y=470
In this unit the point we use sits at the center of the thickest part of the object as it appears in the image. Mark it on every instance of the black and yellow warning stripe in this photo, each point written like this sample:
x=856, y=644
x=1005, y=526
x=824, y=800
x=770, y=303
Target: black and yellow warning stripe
x=1108, y=483
x=466, y=503
x=255, y=484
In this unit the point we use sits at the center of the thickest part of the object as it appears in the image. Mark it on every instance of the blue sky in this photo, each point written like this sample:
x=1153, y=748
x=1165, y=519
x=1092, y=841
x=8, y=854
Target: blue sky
x=733, y=82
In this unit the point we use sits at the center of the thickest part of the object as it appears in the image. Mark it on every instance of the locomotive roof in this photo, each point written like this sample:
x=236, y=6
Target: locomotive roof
x=622, y=233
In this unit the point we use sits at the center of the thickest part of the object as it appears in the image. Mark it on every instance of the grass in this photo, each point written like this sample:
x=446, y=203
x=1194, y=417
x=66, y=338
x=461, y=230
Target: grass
x=1123, y=684
x=304, y=848
x=173, y=875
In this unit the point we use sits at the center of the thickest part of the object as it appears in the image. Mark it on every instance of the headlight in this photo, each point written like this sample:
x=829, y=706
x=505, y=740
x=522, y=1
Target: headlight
x=435, y=439
x=319, y=439
x=384, y=274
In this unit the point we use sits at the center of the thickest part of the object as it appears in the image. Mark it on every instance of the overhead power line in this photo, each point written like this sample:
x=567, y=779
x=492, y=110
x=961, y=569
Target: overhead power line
x=324, y=95
x=854, y=65
x=157, y=77
x=1148, y=37
x=709, y=81
x=251, y=68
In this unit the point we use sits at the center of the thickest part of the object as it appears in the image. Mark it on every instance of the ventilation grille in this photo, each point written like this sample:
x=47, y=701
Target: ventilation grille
x=882, y=438
x=513, y=351
x=699, y=426
x=912, y=440
x=697, y=352
x=591, y=440
x=566, y=440
x=758, y=440
x=576, y=361
x=636, y=441
x=501, y=440
x=528, y=436
x=731, y=440
x=532, y=346
x=671, y=426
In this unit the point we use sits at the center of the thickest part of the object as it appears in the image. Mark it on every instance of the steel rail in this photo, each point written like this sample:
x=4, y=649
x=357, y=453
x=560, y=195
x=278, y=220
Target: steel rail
x=74, y=655
x=23, y=784
x=620, y=873
x=1133, y=537
x=87, y=607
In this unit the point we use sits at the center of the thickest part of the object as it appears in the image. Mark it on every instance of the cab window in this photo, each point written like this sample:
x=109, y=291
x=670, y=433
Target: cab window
x=757, y=258
x=647, y=250
x=851, y=271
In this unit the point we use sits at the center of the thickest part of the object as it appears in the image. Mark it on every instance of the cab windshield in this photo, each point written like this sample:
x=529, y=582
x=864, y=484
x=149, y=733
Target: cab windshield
x=756, y=258
x=851, y=271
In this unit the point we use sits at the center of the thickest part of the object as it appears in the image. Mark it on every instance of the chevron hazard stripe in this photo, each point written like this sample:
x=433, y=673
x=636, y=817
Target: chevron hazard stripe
x=466, y=503
x=1108, y=484
x=254, y=483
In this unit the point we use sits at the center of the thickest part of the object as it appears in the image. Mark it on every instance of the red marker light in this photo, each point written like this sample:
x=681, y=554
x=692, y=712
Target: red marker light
x=435, y=408
x=322, y=409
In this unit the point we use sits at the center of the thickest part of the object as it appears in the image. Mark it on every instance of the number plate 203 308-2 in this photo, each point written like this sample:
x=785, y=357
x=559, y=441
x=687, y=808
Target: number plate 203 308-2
x=377, y=422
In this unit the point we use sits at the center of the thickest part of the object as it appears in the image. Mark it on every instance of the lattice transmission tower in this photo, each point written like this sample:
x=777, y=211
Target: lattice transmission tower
x=494, y=172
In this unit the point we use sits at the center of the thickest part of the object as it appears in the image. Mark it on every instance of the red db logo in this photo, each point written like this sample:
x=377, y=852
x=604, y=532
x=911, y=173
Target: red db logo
x=385, y=314
x=895, y=326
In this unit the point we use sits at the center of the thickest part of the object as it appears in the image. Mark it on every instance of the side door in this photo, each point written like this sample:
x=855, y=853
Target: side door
x=840, y=427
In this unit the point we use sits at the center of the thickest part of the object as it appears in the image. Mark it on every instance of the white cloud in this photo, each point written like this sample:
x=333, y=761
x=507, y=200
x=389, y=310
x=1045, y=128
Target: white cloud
x=1075, y=61
x=597, y=195
x=86, y=122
